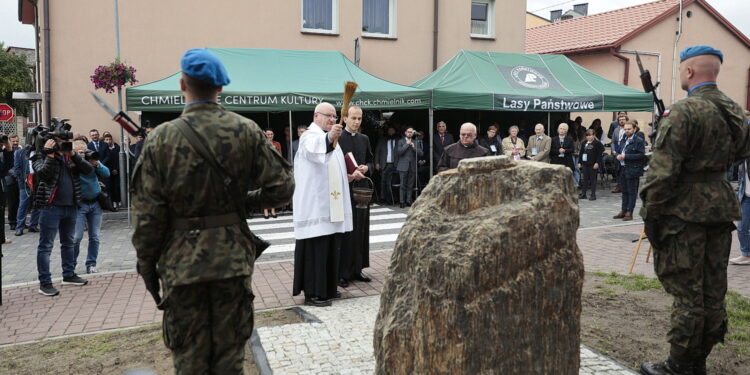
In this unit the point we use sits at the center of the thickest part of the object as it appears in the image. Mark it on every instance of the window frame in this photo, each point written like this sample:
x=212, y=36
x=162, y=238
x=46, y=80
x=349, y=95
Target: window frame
x=490, y=20
x=392, y=22
x=334, y=20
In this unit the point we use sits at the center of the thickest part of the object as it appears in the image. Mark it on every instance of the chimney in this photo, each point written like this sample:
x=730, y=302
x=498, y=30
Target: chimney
x=554, y=15
x=582, y=9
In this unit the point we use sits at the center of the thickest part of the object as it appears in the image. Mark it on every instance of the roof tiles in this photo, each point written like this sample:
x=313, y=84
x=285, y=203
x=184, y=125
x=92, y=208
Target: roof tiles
x=595, y=31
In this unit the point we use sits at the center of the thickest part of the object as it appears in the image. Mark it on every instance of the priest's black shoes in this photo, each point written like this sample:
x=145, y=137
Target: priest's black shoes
x=362, y=277
x=316, y=301
x=337, y=295
x=668, y=367
x=343, y=283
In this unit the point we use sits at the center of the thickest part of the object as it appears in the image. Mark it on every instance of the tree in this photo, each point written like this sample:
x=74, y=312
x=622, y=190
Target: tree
x=15, y=75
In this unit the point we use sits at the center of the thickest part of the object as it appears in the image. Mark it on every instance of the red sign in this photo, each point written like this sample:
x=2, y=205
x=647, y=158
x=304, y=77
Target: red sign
x=6, y=112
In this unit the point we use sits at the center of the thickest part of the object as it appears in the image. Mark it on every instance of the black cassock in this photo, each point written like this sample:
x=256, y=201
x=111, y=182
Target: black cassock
x=355, y=248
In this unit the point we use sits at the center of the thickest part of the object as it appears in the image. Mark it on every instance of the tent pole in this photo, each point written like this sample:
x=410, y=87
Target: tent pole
x=549, y=125
x=430, y=116
x=291, y=138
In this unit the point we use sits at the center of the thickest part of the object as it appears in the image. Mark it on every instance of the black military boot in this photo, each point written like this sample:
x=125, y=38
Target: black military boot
x=668, y=367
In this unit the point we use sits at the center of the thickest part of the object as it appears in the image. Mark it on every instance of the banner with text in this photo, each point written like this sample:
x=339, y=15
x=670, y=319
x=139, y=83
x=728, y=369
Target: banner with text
x=504, y=102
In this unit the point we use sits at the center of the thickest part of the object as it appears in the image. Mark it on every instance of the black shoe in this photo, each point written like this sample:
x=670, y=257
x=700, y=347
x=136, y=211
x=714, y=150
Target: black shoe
x=266, y=217
x=668, y=367
x=48, y=290
x=343, y=283
x=582, y=196
x=317, y=302
x=337, y=295
x=74, y=280
x=408, y=204
x=273, y=216
x=592, y=197
x=401, y=205
x=19, y=231
x=13, y=226
x=362, y=277
x=33, y=229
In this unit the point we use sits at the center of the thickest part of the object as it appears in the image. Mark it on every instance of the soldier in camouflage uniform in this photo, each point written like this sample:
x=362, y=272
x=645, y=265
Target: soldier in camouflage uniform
x=188, y=232
x=689, y=206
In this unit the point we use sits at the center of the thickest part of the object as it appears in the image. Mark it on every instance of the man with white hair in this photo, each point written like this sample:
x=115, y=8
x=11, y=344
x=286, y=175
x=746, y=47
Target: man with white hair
x=465, y=148
x=322, y=208
x=539, y=145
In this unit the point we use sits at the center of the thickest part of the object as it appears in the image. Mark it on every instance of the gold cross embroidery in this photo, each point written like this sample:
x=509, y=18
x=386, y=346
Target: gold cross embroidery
x=335, y=194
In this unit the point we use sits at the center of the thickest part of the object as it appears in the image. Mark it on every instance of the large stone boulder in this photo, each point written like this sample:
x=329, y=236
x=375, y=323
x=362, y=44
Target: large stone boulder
x=486, y=275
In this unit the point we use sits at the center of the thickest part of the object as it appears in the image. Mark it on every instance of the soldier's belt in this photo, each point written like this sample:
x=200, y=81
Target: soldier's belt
x=205, y=222
x=702, y=177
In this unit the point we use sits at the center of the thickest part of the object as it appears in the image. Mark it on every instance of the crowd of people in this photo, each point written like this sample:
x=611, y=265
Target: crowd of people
x=50, y=191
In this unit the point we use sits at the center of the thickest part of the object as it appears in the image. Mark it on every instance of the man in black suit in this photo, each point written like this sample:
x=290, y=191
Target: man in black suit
x=439, y=141
x=632, y=159
x=409, y=151
x=97, y=144
x=385, y=162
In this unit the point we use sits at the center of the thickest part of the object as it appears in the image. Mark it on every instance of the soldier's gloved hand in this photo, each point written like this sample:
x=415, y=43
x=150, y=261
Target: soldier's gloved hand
x=151, y=279
x=651, y=227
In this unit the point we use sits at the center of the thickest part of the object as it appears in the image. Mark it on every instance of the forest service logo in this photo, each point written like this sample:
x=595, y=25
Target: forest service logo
x=529, y=77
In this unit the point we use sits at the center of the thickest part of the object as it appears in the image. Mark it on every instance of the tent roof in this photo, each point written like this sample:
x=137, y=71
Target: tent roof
x=516, y=82
x=281, y=80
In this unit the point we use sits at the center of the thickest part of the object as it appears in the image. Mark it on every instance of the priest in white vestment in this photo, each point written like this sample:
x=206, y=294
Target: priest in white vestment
x=322, y=208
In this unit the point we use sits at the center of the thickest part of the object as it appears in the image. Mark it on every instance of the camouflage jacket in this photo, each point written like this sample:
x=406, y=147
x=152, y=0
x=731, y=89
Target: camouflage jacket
x=697, y=141
x=171, y=180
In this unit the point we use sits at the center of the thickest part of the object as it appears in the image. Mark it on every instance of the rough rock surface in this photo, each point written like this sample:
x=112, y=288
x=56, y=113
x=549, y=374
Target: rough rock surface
x=486, y=275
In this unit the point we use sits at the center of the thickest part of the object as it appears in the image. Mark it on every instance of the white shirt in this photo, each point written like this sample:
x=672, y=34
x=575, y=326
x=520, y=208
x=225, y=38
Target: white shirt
x=312, y=202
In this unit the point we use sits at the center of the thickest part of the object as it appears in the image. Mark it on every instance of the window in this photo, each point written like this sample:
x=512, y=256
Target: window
x=379, y=18
x=482, y=18
x=320, y=16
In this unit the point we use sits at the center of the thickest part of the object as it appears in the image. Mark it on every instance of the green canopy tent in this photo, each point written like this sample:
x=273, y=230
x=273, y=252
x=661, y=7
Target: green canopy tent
x=270, y=80
x=496, y=81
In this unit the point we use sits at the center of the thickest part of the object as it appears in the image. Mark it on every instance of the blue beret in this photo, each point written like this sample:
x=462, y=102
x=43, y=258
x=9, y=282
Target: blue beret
x=203, y=65
x=700, y=50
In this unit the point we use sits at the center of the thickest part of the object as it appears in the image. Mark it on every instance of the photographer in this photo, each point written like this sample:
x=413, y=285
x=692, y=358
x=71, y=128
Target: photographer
x=89, y=211
x=59, y=193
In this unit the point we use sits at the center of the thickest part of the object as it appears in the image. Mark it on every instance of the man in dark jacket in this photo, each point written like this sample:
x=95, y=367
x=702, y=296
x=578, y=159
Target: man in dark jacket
x=58, y=197
x=632, y=159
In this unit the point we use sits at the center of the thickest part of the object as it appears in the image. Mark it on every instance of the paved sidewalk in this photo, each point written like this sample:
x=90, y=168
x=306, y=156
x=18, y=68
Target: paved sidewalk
x=341, y=343
x=119, y=300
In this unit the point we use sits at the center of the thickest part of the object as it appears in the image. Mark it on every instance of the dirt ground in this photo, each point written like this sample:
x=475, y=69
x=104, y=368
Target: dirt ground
x=112, y=353
x=630, y=325
x=626, y=318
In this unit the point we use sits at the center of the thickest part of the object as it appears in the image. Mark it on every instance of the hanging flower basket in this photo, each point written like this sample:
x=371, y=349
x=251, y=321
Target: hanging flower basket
x=113, y=76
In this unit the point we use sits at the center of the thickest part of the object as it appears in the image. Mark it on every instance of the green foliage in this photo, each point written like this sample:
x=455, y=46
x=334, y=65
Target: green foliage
x=15, y=75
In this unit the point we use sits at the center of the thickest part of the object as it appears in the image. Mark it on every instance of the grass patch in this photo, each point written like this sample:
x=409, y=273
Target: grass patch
x=636, y=282
x=738, y=311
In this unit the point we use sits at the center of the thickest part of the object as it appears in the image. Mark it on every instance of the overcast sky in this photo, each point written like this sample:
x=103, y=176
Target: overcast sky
x=13, y=33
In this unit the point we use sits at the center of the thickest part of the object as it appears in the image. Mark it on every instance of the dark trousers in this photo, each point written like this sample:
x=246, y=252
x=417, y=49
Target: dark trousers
x=629, y=188
x=589, y=179
x=206, y=326
x=407, y=185
x=11, y=199
x=386, y=179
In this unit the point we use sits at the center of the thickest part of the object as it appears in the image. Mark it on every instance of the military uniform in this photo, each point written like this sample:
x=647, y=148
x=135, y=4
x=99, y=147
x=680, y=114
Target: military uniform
x=187, y=230
x=690, y=206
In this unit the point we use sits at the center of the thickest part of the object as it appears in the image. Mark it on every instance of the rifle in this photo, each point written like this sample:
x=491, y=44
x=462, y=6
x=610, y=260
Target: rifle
x=648, y=86
x=122, y=119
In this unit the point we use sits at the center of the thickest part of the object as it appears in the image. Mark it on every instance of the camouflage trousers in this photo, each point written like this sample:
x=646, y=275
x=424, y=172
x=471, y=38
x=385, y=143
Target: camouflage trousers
x=691, y=264
x=206, y=326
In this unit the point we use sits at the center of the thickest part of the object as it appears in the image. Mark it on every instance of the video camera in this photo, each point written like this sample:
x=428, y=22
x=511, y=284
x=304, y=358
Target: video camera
x=59, y=130
x=91, y=155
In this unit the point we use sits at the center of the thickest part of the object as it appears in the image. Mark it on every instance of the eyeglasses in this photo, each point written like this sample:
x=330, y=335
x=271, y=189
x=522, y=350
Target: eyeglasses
x=333, y=117
x=467, y=134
